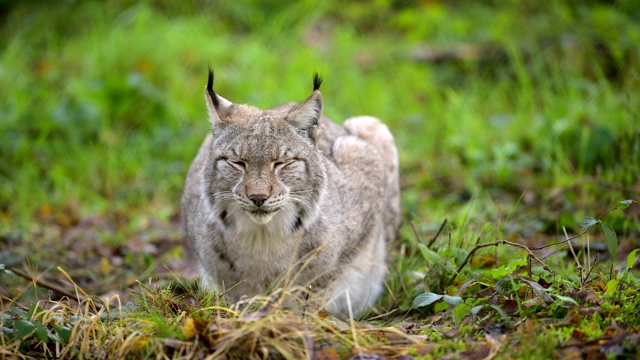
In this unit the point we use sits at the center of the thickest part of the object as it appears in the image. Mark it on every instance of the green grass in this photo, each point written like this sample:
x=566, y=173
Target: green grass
x=524, y=122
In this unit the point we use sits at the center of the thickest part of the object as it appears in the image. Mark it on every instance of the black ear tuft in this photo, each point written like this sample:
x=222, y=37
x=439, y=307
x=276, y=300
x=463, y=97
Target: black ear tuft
x=317, y=81
x=210, y=92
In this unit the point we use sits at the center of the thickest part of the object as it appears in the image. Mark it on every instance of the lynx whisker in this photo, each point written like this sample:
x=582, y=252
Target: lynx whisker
x=299, y=200
x=301, y=192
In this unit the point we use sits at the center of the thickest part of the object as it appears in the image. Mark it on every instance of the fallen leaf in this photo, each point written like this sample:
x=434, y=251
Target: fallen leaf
x=484, y=260
x=578, y=336
x=589, y=311
x=599, y=285
x=425, y=349
x=570, y=353
x=326, y=354
x=139, y=343
x=465, y=286
x=105, y=266
x=45, y=211
x=477, y=352
x=544, y=283
x=189, y=329
x=583, y=296
x=527, y=326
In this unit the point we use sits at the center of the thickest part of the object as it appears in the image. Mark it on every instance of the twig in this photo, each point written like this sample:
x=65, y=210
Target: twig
x=60, y=291
x=433, y=239
x=415, y=231
x=591, y=268
x=572, y=251
x=46, y=285
x=382, y=315
x=552, y=253
x=231, y=288
x=568, y=239
x=585, y=230
x=495, y=243
x=437, y=234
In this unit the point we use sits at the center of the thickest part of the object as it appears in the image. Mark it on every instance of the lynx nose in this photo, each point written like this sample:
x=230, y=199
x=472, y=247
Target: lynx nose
x=258, y=199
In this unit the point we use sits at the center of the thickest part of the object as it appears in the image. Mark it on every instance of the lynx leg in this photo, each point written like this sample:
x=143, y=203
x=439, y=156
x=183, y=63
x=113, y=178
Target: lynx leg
x=363, y=279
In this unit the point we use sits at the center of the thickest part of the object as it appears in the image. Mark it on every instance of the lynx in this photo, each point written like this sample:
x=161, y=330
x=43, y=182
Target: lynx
x=288, y=191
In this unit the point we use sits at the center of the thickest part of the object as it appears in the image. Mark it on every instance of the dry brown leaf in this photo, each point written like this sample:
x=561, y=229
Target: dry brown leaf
x=45, y=212
x=570, y=353
x=484, y=260
x=189, y=328
x=425, y=349
x=477, y=352
x=583, y=296
x=589, y=311
x=327, y=354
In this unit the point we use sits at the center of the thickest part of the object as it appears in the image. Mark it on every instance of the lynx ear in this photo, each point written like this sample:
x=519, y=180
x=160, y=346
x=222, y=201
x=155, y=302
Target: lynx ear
x=305, y=116
x=215, y=103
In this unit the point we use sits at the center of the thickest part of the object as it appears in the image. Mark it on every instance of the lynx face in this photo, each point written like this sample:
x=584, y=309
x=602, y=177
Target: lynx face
x=264, y=166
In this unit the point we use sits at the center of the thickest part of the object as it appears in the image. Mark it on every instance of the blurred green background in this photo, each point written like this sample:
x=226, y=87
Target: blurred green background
x=101, y=105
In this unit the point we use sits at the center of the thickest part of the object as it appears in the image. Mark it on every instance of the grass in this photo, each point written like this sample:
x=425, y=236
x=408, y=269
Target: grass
x=514, y=121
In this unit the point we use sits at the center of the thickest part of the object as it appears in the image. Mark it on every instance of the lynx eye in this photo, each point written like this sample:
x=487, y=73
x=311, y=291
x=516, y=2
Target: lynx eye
x=284, y=163
x=237, y=164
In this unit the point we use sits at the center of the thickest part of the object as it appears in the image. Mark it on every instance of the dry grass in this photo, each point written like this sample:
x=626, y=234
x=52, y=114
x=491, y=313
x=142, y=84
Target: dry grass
x=171, y=322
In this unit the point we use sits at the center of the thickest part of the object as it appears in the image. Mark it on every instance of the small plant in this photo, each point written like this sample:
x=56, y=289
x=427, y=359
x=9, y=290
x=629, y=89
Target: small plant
x=512, y=294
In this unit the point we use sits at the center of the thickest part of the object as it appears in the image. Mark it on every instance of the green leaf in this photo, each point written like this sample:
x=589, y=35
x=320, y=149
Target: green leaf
x=5, y=270
x=612, y=287
x=35, y=312
x=453, y=300
x=611, y=240
x=63, y=332
x=631, y=259
x=41, y=331
x=505, y=286
x=23, y=314
x=566, y=299
x=623, y=204
x=425, y=299
x=441, y=306
x=55, y=338
x=457, y=253
x=22, y=329
x=538, y=290
x=476, y=309
x=588, y=222
x=430, y=255
x=499, y=273
x=459, y=313
x=505, y=270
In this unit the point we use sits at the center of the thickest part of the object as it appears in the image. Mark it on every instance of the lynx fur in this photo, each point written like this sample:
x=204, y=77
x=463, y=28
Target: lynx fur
x=286, y=197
